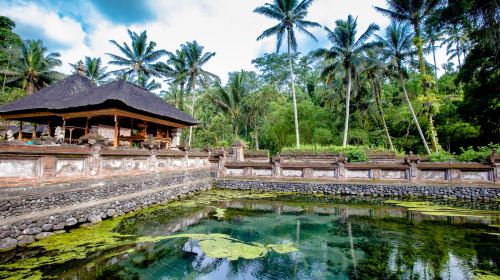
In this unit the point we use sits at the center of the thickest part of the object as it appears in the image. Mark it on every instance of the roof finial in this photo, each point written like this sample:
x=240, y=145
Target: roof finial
x=80, y=69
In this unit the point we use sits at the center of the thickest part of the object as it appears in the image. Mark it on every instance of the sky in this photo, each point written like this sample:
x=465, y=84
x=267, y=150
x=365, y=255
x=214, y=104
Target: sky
x=79, y=28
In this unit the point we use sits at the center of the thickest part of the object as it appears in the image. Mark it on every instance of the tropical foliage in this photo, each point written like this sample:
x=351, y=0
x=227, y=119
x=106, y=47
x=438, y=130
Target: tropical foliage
x=374, y=89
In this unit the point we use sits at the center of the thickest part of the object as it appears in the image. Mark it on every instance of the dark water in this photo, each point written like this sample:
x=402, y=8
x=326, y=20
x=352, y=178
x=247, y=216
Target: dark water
x=334, y=238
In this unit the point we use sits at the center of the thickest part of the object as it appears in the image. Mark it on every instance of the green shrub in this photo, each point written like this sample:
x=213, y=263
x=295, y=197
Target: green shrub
x=441, y=156
x=481, y=155
x=352, y=153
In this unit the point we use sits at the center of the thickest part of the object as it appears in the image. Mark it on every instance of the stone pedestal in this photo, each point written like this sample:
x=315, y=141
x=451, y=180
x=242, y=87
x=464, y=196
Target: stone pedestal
x=175, y=135
x=238, y=148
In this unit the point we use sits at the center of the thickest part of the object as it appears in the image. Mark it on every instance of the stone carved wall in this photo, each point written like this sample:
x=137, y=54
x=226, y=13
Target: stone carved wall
x=49, y=162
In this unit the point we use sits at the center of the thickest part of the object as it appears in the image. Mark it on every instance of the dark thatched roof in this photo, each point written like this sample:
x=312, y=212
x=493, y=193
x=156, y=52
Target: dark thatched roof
x=75, y=92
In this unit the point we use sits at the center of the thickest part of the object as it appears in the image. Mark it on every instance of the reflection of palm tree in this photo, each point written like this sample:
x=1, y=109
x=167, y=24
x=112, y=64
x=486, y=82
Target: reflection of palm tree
x=290, y=14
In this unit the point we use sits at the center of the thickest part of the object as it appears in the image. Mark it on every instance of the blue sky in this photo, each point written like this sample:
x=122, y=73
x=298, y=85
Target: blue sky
x=78, y=28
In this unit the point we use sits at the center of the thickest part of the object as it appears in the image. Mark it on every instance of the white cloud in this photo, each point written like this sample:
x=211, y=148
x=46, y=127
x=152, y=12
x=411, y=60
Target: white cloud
x=227, y=27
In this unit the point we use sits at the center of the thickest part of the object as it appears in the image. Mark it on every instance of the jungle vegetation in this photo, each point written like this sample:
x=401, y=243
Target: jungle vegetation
x=371, y=88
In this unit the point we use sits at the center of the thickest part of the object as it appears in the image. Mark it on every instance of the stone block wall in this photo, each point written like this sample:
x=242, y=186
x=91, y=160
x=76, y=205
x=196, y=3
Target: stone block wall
x=335, y=168
x=28, y=214
x=27, y=162
x=463, y=192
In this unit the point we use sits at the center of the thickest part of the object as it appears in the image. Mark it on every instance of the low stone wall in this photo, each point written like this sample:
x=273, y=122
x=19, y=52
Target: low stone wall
x=25, y=161
x=372, y=190
x=331, y=167
x=28, y=215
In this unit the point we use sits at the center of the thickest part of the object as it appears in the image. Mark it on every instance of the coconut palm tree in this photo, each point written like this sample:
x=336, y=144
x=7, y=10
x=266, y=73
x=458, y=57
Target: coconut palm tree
x=416, y=12
x=34, y=67
x=374, y=69
x=139, y=58
x=349, y=50
x=93, y=70
x=176, y=72
x=431, y=37
x=398, y=51
x=290, y=14
x=195, y=60
x=456, y=43
x=229, y=99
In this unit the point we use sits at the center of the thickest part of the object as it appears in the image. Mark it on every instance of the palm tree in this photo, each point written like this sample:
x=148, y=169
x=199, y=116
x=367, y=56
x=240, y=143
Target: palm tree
x=139, y=59
x=195, y=60
x=229, y=99
x=375, y=69
x=431, y=37
x=34, y=67
x=93, y=70
x=176, y=72
x=174, y=95
x=398, y=50
x=349, y=50
x=456, y=43
x=290, y=15
x=416, y=12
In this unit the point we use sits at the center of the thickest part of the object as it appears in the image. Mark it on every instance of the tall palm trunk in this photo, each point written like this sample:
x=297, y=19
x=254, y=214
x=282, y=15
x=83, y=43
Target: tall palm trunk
x=256, y=138
x=193, y=84
x=30, y=86
x=413, y=113
x=435, y=66
x=295, y=117
x=347, y=104
x=6, y=69
x=376, y=92
x=458, y=54
x=431, y=130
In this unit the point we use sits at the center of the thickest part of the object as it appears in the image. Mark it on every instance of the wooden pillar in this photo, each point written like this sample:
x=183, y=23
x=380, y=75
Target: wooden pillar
x=33, y=135
x=49, y=129
x=20, y=135
x=131, y=133
x=117, y=132
x=87, y=125
x=70, y=135
x=64, y=129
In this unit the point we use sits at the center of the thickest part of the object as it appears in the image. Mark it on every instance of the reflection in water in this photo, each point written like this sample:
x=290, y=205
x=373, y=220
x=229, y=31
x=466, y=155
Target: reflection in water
x=335, y=238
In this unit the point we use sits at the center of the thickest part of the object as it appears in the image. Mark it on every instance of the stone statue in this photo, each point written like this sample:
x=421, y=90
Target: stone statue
x=176, y=138
x=59, y=134
x=92, y=137
x=10, y=135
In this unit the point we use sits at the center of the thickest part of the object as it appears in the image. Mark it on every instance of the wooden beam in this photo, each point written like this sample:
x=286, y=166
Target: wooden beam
x=101, y=112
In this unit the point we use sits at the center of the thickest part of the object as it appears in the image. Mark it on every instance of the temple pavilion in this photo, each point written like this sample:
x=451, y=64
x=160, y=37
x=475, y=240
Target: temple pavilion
x=124, y=113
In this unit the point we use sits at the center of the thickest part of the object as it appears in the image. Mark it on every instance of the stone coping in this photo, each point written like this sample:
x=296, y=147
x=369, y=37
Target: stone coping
x=44, y=150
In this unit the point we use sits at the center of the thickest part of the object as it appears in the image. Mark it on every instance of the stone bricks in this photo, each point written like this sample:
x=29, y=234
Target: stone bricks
x=7, y=244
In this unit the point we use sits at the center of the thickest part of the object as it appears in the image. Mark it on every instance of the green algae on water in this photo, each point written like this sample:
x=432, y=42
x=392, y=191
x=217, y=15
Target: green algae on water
x=218, y=246
x=431, y=209
x=81, y=242
x=220, y=213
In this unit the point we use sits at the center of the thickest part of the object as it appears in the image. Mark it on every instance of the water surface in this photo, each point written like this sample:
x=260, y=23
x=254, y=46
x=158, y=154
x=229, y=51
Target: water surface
x=241, y=235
